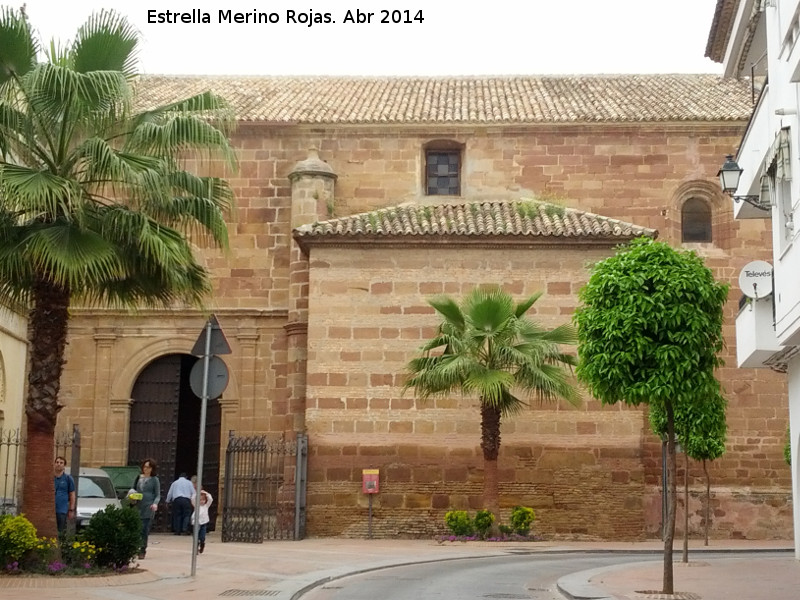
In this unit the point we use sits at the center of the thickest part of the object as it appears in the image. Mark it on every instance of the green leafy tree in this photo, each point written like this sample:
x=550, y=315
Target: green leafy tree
x=486, y=348
x=649, y=330
x=97, y=206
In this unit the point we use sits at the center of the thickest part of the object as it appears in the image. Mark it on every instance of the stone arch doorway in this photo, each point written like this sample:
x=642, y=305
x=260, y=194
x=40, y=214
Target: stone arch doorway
x=165, y=426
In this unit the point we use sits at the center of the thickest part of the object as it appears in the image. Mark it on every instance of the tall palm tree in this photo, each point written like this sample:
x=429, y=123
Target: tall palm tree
x=488, y=349
x=97, y=206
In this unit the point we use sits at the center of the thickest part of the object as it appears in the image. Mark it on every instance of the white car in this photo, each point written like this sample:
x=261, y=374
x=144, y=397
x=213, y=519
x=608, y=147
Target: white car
x=95, y=492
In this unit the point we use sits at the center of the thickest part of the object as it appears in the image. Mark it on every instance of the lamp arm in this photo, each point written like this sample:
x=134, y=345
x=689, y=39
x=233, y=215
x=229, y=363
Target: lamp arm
x=752, y=201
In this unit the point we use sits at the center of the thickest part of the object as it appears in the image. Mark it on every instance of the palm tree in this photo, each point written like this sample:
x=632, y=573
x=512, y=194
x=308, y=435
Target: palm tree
x=97, y=206
x=486, y=348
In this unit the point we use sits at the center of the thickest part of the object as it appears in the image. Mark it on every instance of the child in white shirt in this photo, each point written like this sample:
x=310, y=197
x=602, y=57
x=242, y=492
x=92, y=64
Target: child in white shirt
x=205, y=503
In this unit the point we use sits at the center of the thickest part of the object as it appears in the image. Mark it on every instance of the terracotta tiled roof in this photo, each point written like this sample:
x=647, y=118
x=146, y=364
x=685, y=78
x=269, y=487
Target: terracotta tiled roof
x=522, y=221
x=409, y=100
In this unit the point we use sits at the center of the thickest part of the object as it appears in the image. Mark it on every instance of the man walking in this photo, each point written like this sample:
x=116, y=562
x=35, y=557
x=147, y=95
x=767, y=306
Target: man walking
x=64, y=487
x=180, y=497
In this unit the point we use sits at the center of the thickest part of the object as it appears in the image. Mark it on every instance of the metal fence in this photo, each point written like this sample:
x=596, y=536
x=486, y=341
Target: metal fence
x=12, y=445
x=265, y=483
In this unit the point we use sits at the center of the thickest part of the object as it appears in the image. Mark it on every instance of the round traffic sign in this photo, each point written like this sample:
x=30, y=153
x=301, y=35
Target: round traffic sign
x=217, y=377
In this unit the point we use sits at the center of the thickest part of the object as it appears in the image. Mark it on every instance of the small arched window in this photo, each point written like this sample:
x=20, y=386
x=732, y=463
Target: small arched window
x=695, y=221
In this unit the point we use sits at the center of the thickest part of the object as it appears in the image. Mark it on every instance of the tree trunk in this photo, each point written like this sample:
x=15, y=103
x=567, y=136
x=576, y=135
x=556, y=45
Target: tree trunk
x=669, y=534
x=685, y=507
x=490, y=444
x=47, y=334
x=708, y=499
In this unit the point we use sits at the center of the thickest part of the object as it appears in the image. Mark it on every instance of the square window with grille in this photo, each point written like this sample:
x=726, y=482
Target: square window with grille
x=443, y=172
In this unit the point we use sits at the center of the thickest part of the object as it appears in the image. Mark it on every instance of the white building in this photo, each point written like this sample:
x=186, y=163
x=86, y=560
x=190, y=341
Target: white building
x=760, y=40
x=13, y=356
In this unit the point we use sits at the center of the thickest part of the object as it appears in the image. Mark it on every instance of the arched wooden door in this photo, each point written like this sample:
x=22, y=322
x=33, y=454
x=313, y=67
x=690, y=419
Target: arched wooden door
x=165, y=426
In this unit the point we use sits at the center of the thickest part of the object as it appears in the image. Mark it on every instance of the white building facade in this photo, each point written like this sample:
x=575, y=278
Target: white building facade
x=760, y=40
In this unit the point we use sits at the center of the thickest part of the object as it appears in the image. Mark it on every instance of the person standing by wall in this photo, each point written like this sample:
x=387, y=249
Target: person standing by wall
x=180, y=497
x=64, y=486
x=148, y=485
x=205, y=503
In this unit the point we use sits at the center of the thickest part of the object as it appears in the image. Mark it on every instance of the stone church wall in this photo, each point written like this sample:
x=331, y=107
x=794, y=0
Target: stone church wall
x=639, y=173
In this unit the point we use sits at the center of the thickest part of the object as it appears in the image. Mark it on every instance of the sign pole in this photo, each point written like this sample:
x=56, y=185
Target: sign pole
x=370, y=485
x=369, y=522
x=201, y=447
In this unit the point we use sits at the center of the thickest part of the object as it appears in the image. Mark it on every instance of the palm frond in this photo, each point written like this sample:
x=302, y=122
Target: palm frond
x=206, y=105
x=68, y=256
x=490, y=385
x=39, y=194
x=563, y=334
x=106, y=42
x=449, y=309
x=526, y=304
x=484, y=348
x=177, y=134
x=548, y=383
x=18, y=46
x=511, y=404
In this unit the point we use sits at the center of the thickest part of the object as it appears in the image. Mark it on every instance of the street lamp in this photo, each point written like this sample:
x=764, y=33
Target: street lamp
x=729, y=175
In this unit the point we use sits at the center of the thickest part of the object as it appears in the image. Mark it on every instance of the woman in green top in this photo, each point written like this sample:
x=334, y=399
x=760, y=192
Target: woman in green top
x=148, y=485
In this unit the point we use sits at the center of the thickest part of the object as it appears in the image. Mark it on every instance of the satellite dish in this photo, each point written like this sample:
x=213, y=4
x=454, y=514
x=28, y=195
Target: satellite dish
x=755, y=280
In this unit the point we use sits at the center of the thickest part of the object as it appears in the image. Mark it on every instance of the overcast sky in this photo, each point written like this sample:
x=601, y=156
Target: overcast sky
x=454, y=38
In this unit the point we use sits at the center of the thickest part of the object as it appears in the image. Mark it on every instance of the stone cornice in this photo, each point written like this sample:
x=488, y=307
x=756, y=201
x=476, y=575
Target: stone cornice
x=423, y=242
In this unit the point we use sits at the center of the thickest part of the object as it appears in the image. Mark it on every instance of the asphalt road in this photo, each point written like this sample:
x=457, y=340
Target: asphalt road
x=511, y=577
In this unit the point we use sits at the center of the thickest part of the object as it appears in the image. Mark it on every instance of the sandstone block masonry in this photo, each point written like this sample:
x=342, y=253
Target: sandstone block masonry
x=589, y=472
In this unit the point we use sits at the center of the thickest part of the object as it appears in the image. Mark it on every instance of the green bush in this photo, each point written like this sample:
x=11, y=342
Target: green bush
x=483, y=522
x=459, y=523
x=17, y=538
x=116, y=534
x=505, y=529
x=521, y=519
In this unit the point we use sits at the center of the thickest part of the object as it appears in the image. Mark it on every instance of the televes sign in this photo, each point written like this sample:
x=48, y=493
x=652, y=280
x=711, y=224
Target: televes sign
x=755, y=280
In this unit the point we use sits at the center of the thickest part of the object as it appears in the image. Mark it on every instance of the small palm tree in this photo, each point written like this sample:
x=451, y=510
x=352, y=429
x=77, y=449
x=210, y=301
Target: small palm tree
x=486, y=348
x=96, y=204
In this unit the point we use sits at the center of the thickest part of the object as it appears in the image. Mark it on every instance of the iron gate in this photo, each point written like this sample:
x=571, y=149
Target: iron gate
x=12, y=442
x=265, y=484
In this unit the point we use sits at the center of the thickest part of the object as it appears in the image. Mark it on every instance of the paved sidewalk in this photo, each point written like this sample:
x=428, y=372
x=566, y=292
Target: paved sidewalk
x=283, y=570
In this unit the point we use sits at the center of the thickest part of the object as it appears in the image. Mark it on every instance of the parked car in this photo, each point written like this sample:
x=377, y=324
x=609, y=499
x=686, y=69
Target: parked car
x=8, y=506
x=95, y=492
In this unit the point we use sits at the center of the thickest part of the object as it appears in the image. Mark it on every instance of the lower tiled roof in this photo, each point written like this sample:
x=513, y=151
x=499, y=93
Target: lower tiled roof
x=523, y=220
